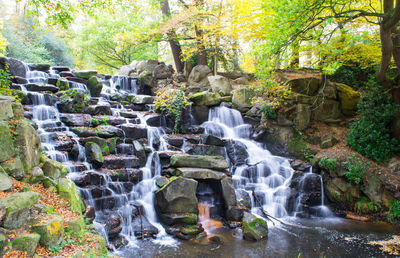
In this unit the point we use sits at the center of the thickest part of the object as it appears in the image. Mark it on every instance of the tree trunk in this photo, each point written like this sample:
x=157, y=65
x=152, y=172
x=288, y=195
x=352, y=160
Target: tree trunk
x=295, y=63
x=174, y=44
x=387, y=48
x=201, y=49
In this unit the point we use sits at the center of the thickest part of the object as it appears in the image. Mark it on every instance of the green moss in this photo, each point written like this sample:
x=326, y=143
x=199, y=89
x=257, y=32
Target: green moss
x=171, y=179
x=191, y=219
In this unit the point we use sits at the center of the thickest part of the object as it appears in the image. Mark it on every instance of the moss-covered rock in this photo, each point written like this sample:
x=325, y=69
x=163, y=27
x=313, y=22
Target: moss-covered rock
x=18, y=109
x=85, y=74
x=6, y=143
x=254, y=228
x=103, y=144
x=348, y=99
x=94, y=154
x=54, y=169
x=205, y=98
x=241, y=99
x=181, y=218
x=26, y=243
x=67, y=189
x=198, y=161
x=178, y=196
x=51, y=231
x=62, y=83
x=17, y=208
x=29, y=145
x=95, y=85
x=6, y=110
x=76, y=227
x=112, y=144
x=14, y=167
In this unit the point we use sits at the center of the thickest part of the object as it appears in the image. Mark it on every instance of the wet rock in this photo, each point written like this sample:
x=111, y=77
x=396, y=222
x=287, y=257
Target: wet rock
x=143, y=228
x=127, y=114
x=228, y=192
x=156, y=120
x=205, y=98
x=51, y=231
x=17, y=208
x=76, y=119
x=113, y=226
x=175, y=141
x=128, y=175
x=94, y=154
x=94, y=85
x=200, y=113
x=254, y=228
x=185, y=232
x=198, y=76
x=300, y=165
x=100, y=110
x=103, y=144
x=84, y=131
x=176, y=219
x=67, y=189
x=26, y=243
x=207, y=150
x=220, y=84
x=125, y=148
x=109, y=131
x=178, y=196
x=134, y=131
x=90, y=214
x=161, y=181
x=244, y=198
x=41, y=87
x=140, y=153
x=237, y=152
x=120, y=161
x=61, y=68
x=211, y=140
x=212, y=162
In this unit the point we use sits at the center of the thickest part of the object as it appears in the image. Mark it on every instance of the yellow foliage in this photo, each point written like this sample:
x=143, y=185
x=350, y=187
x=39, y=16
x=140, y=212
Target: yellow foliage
x=3, y=41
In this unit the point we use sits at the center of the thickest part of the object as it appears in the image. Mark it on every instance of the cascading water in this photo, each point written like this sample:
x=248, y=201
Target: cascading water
x=258, y=172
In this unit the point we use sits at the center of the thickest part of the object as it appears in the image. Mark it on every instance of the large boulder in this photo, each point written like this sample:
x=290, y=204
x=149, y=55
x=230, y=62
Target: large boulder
x=51, y=231
x=18, y=206
x=303, y=116
x=6, y=110
x=220, y=84
x=67, y=189
x=205, y=98
x=26, y=243
x=95, y=85
x=85, y=74
x=254, y=228
x=348, y=99
x=62, y=83
x=133, y=131
x=16, y=67
x=241, y=99
x=29, y=144
x=6, y=143
x=178, y=196
x=196, y=161
x=127, y=70
x=198, y=76
x=308, y=86
x=54, y=169
x=76, y=119
x=237, y=152
x=327, y=109
x=162, y=71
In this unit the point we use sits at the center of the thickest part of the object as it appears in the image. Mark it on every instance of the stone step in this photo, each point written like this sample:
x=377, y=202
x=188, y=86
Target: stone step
x=120, y=161
x=198, y=161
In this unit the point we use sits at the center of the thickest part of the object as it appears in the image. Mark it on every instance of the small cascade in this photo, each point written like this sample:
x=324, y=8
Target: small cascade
x=310, y=196
x=209, y=207
x=256, y=172
x=124, y=84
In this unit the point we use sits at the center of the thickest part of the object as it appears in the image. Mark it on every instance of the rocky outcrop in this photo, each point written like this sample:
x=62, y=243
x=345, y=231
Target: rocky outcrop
x=198, y=76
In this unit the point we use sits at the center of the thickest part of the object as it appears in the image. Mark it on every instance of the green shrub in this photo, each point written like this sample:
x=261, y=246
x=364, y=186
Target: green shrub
x=355, y=169
x=327, y=163
x=268, y=111
x=370, y=134
x=353, y=75
x=395, y=209
x=5, y=82
x=364, y=206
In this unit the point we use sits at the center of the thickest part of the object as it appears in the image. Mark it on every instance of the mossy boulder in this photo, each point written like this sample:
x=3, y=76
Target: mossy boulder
x=178, y=196
x=94, y=154
x=112, y=144
x=85, y=74
x=67, y=189
x=198, y=161
x=95, y=85
x=14, y=167
x=6, y=110
x=205, y=98
x=254, y=228
x=6, y=143
x=29, y=145
x=17, y=208
x=54, y=169
x=51, y=231
x=241, y=99
x=348, y=99
x=103, y=144
x=76, y=227
x=26, y=243
x=62, y=83
x=177, y=219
